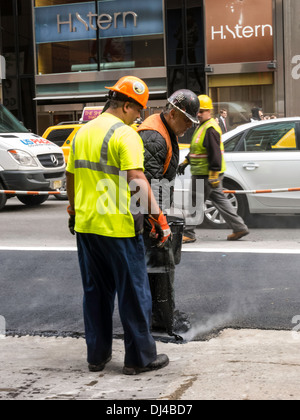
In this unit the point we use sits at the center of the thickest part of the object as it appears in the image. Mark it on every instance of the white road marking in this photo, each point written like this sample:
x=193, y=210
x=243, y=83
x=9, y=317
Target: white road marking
x=190, y=249
x=245, y=250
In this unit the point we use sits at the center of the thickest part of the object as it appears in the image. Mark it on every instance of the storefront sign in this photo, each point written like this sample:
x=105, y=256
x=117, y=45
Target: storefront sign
x=239, y=31
x=81, y=21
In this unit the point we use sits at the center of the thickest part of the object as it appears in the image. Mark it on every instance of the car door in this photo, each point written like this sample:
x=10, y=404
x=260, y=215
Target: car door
x=268, y=157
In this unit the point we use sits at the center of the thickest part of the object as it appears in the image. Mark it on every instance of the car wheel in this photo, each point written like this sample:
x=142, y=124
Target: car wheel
x=212, y=216
x=63, y=190
x=33, y=200
x=3, y=198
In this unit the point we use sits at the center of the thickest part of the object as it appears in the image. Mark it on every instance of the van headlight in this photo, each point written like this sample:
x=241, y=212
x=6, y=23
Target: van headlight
x=22, y=158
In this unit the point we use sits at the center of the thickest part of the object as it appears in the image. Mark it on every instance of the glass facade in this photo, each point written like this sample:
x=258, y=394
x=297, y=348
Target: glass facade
x=185, y=45
x=18, y=89
x=75, y=36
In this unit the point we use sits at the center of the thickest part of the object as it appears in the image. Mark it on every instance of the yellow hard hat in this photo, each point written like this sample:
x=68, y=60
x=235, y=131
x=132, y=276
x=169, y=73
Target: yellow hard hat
x=205, y=102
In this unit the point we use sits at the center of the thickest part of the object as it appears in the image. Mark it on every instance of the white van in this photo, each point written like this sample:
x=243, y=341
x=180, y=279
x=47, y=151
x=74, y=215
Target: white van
x=27, y=162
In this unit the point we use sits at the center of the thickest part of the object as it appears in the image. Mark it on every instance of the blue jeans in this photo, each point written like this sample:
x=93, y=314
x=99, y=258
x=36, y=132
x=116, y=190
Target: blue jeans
x=111, y=266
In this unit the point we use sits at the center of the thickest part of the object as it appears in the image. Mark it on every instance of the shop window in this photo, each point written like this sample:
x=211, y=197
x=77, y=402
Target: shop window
x=240, y=93
x=66, y=57
x=95, y=35
x=129, y=52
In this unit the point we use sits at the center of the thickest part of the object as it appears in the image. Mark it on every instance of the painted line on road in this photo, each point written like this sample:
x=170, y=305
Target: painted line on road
x=195, y=249
x=245, y=250
x=38, y=248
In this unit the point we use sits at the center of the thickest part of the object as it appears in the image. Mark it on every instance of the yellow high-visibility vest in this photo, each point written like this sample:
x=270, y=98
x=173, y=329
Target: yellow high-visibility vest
x=198, y=153
x=101, y=153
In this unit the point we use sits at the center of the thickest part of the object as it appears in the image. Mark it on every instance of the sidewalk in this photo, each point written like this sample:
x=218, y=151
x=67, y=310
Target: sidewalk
x=236, y=365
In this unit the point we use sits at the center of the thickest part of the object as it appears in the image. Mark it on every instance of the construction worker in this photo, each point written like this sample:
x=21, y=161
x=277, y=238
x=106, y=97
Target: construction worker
x=206, y=158
x=106, y=159
x=160, y=133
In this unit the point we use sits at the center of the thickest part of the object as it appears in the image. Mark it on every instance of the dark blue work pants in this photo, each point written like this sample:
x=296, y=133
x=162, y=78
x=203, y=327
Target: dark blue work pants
x=109, y=266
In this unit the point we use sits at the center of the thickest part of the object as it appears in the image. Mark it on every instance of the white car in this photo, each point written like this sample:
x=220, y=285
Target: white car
x=28, y=162
x=261, y=155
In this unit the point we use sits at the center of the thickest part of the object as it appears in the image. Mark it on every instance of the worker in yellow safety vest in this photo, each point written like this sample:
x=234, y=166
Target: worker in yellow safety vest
x=104, y=172
x=206, y=158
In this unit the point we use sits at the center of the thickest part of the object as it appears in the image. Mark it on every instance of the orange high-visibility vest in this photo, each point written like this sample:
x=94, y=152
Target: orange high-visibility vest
x=154, y=123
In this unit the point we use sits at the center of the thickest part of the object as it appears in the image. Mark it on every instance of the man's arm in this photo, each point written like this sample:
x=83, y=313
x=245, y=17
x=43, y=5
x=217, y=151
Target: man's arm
x=160, y=228
x=71, y=208
x=212, y=143
x=70, y=189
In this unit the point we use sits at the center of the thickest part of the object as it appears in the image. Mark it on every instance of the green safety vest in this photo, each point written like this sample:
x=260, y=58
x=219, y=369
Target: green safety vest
x=198, y=153
x=101, y=153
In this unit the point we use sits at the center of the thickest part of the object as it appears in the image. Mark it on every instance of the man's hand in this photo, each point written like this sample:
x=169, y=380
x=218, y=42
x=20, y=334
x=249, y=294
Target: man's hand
x=213, y=179
x=182, y=166
x=71, y=222
x=160, y=229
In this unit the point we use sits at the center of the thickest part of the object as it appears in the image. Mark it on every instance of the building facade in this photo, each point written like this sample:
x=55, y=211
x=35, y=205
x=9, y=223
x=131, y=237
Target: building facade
x=17, y=67
x=64, y=52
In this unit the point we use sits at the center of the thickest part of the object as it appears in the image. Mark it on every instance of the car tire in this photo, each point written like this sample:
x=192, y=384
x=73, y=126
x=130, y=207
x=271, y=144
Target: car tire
x=63, y=189
x=3, y=198
x=212, y=217
x=33, y=200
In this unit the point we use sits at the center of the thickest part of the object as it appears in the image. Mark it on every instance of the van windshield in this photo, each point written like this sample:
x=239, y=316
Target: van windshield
x=9, y=123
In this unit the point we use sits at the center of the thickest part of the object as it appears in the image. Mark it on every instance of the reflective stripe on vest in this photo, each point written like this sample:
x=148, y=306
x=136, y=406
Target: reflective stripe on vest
x=100, y=166
x=194, y=156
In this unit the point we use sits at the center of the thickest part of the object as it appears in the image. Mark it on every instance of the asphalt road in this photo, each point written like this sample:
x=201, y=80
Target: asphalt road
x=250, y=284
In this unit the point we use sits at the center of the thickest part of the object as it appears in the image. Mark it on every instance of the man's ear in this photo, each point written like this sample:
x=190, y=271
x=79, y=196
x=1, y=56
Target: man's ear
x=126, y=106
x=172, y=113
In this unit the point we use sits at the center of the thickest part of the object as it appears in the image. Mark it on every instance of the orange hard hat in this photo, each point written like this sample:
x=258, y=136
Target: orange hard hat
x=132, y=87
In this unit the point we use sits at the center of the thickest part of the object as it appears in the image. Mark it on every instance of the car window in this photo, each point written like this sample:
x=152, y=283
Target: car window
x=9, y=123
x=59, y=136
x=231, y=144
x=271, y=137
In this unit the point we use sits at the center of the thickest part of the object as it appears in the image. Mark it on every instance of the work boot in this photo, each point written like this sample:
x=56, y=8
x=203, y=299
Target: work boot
x=99, y=367
x=237, y=235
x=188, y=240
x=161, y=361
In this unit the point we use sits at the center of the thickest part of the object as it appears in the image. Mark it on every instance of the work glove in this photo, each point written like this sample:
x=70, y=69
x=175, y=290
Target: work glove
x=182, y=166
x=213, y=179
x=160, y=229
x=71, y=222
